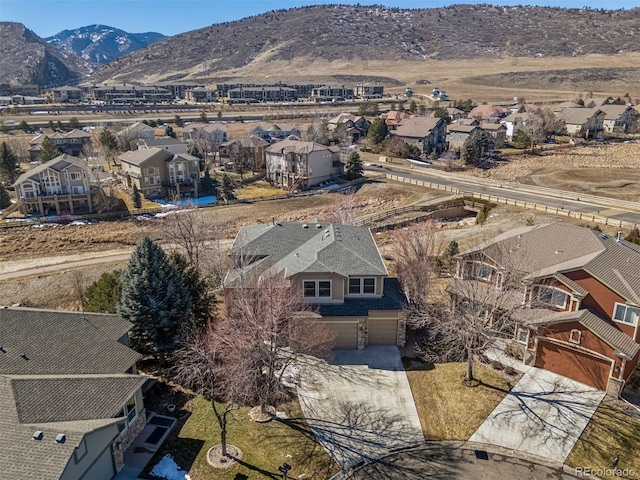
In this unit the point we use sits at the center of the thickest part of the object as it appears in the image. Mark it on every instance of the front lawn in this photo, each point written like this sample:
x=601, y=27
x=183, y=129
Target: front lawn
x=265, y=446
x=608, y=434
x=449, y=410
x=258, y=189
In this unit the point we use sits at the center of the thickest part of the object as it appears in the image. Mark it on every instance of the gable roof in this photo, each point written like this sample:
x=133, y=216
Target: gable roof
x=252, y=141
x=579, y=115
x=137, y=127
x=138, y=157
x=162, y=141
x=297, y=146
x=613, y=112
x=58, y=164
x=75, y=133
x=461, y=128
x=291, y=248
x=417, y=127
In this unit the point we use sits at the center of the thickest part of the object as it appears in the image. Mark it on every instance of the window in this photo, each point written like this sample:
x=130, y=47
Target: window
x=552, y=296
x=75, y=175
x=523, y=335
x=362, y=286
x=129, y=412
x=574, y=336
x=316, y=288
x=481, y=270
x=625, y=314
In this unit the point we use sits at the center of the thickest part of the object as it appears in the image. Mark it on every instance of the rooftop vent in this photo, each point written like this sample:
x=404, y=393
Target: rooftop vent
x=2, y=350
x=558, y=251
x=619, y=237
x=304, y=225
x=61, y=438
x=318, y=226
x=37, y=435
x=24, y=357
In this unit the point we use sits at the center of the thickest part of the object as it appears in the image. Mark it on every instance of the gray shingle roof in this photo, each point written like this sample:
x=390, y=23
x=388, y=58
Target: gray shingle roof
x=578, y=116
x=58, y=164
x=298, y=146
x=417, y=127
x=138, y=157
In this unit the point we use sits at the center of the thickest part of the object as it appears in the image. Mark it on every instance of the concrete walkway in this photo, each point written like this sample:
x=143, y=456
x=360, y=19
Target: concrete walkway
x=496, y=352
x=359, y=406
x=544, y=415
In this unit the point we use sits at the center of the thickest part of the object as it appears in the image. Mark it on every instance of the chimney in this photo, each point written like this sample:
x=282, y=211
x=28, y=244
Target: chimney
x=619, y=239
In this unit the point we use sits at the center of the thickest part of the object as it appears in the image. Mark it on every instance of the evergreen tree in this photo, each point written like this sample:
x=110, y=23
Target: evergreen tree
x=633, y=236
x=110, y=144
x=48, y=150
x=9, y=168
x=178, y=121
x=103, y=295
x=198, y=287
x=24, y=126
x=51, y=126
x=410, y=151
x=208, y=184
x=136, y=197
x=475, y=146
x=168, y=132
x=5, y=198
x=59, y=126
x=203, y=117
x=154, y=298
x=413, y=106
x=521, y=140
x=377, y=131
x=74, y=123
x=226, y=189
x=354, y=166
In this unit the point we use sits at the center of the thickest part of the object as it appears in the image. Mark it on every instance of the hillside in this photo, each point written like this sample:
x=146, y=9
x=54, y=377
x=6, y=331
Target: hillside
x=362, y=33
x=101, y=43
x=25, y=58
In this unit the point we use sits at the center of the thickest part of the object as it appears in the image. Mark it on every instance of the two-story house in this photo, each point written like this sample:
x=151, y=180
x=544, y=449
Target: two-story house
x=158, y=173
x=215, y=133
x=355, y=126
x=427, y=133
x=579, y=298
x=70, y=143
x=243, y=153
x=457, y=134
x=273, y=132
x=583, y=122
x=337, y=269
x=70, y=395
x=128, y=137
x=169, y=144
x=59, y=186
x=517, y=121
x=620, y=118
x=296, y=165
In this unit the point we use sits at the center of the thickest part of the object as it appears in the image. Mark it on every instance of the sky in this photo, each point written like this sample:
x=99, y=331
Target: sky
x=170, y=17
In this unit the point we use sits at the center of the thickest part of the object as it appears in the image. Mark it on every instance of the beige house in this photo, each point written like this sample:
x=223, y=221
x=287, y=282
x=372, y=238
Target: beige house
x=70, y=395
x=338, y=269
x=619, y=118
x=243, y=153
x=583, y=122
x=457, y=134
x=60, y=187
x=128, y=137
x=297, y=165
x=427, y=133
x=157, y=173
x=70, y=143
x=497, y=131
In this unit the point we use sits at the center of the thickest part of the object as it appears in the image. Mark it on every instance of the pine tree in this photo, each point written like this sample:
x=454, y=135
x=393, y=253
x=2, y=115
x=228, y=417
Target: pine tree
x=9, y=169
x=226, y=189
x=103, y=295
x=208, y=184
x=154, y=298
x=377, y=131
x=109, y=142
x=5, y=198
x=74, y=123
x=354, y=167
x=475, y=146
x=48, y=150
x=136, y=197
x=198, y=287
x=24, y=126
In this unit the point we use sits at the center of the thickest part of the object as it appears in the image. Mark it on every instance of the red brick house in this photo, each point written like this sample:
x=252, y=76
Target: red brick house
x=579, y=299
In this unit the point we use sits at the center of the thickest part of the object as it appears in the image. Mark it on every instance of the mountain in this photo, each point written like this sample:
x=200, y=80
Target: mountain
x=100, y=43
x=370, y=33
x=25, y=58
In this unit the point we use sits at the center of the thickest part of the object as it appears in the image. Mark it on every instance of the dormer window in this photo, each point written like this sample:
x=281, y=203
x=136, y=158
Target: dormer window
x=574, y=336
x=552, y=296
x=481, y=271
x=316, y=288
x=625, y=314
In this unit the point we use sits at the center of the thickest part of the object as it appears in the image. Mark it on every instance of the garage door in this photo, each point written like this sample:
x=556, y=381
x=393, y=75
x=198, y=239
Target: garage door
x=383, y=331
x=574, y=364
x=346, y=335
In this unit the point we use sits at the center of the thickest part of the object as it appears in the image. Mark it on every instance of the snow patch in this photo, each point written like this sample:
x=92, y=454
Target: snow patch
x=168, y=469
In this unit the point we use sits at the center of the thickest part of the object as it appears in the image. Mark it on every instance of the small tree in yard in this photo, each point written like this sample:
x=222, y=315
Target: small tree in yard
x=24, y=126
x=178, y=121
x=633, y=236
x=521, y=140
x=475, y=146
x=410, y=151
x=48, y=150
x=74, y=123
x=109, y=143
x=377, y=131
x=354, y=166
x=136, y=198
x=5, y=198
x=9, y=168
x=198, y=288
x=103, y=295
x=208, y=184
x=226, y=189
x=154, y=298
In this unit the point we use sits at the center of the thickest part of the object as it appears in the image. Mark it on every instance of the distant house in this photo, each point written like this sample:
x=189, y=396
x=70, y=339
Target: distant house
x=336, y=268
x=59, y=186
x=368, y=91
x=67, y=95
x=246, y=152
x=516, y=121
x=332, y=93
x=489, y=113
x=128, y=137
x=70, y=143
x=70, y=396
x=170, y=144
x=455, y=113
x=619, y=118
x=296, y=165
x=393, y=118
x=158, y=173
x=213, y=133
x=458, y=134
x=428, y=134
x=355, y=127
x=201, y=95
x=583, y=122
x=273, y=132
x=596, y=102
x=497, y=131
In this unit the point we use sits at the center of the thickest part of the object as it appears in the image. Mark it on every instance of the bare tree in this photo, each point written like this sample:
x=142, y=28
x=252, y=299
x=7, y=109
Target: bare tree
x=344, y=209
x=79, y=285
x=187, y=230
x=266, y=329
x=534, y=129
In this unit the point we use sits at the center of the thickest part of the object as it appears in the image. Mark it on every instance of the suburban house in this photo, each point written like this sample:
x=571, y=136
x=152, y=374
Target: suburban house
x=583, y=122
x=497, y=131
x=489, y=113
x=393, y=118
x=159, y=173
x=355, y=127
x=273, y=132
x=67, y=95
x=296, y=165
x=246, y=152
x=516, y=121
x=129, y=136
x=337, y=269
x=457, y=134
x=70, y=395
x=169, y=144
x=214, y=133
x=619, y=118
x=59, y=186
x=576, y=298
x=70, y=143
x=427, y=133
x=455, y=113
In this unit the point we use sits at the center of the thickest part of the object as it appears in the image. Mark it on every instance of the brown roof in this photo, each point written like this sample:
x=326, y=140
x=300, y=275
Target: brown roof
x=417, y=127
x=578, y=116
x=613, y=112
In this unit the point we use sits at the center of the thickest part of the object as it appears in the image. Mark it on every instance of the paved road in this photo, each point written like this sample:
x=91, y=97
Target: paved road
x=510, y=191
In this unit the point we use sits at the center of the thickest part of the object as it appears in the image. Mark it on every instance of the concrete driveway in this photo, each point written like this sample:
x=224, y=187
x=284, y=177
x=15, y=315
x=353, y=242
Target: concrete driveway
x=359, y=406
x=544, y=415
